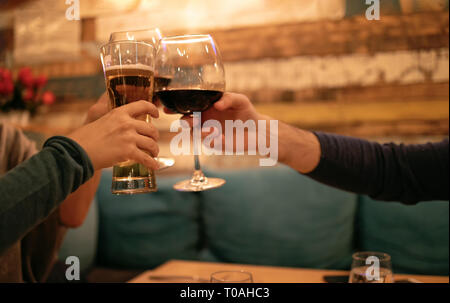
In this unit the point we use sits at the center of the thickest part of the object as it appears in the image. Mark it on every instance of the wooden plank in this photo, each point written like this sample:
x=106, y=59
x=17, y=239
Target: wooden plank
x=6, y=39
x=367, y=120
x=379, y=93
x=88, y=29
x=85, y=66
x=351, y=35
x=402, y=129
x=325, y=115
x=6, y=5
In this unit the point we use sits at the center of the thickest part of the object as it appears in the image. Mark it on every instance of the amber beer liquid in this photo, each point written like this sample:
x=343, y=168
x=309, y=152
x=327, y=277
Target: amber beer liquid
x=126, y=84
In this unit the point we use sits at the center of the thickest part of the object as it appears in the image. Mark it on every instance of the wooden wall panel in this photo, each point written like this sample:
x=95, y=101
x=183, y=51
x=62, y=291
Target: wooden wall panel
x=359, y=94
x=6, y=39
x=347, y=36
x=366, y=119
x=88, y=29
x=321, y=38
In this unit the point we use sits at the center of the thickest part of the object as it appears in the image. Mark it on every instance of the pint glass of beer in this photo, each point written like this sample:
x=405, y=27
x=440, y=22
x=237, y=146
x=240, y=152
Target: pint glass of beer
x=128, y=67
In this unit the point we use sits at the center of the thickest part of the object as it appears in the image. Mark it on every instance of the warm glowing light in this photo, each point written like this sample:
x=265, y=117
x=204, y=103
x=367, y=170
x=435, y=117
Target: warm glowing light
x=187, y=39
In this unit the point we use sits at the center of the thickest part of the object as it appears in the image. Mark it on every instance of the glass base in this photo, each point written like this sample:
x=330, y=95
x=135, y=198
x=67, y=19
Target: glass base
x=131, y=186
x=198, y=183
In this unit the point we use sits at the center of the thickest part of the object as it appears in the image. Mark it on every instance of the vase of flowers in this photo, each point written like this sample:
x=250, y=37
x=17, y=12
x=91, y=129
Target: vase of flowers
x=21, y=97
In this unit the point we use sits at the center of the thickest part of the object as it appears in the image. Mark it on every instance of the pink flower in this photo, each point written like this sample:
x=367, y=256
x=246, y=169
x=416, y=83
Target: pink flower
x=40, y=81
x=5, y=74
x=6, y=82
x=26, y=77
x=9, y=87
x=48, y=98
x=28, y=94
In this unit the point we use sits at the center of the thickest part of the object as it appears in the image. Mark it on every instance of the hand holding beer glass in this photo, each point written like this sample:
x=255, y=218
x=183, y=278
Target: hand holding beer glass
x=152, y=37
x=129, y=76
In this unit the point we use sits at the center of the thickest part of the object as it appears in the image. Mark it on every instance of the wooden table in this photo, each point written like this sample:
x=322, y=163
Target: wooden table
x=261, y=274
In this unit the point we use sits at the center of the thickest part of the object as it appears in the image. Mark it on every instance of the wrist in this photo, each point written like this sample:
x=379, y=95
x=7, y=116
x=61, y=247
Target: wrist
x=89, y=118
x=298, y=148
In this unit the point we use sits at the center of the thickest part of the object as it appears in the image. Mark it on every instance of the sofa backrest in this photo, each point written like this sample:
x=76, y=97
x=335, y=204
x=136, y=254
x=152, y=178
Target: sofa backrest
x=82, y=242
x=271, y=216
x=276, y=216
x=416, y=237
x=145, y=230
x=263, y=216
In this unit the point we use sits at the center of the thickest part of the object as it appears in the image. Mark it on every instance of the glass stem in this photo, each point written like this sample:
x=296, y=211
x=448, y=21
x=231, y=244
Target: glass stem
x=198, y=178
x=197, y=162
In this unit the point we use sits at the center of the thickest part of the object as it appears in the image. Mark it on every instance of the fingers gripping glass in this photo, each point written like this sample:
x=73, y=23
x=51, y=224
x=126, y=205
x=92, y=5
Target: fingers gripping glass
x=196, y=80
x=152, y=37
x=128, y=68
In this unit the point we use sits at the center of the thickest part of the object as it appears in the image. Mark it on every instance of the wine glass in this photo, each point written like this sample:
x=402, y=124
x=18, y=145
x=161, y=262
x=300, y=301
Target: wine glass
x=194, y=65
x=150, y=36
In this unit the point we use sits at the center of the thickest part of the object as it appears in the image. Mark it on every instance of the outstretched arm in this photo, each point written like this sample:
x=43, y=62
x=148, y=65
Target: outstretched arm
x=73, y=211
x=408, y=174
x=389, y=172
x=32, y=190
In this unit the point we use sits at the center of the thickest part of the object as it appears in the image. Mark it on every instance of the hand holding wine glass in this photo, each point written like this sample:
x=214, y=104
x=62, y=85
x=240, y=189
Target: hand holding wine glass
x=194, y=65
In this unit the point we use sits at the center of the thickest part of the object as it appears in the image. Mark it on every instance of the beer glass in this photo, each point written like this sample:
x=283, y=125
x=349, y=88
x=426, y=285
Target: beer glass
x=197, y=80
x=152, y=37
x=128, y=68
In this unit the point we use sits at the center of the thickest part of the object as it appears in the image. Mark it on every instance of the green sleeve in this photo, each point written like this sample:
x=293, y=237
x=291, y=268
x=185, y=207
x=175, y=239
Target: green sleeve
x=33, y=189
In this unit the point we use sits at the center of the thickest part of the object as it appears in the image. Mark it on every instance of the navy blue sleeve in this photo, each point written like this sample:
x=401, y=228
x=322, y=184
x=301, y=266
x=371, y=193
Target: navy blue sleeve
x=33, y=189
x=389, y=172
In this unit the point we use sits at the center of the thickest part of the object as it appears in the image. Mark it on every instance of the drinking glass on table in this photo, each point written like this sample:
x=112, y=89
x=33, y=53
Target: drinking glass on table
x=371, y=267
x=128, y=67
x=197, y=80
x=231, y=277
x=152, y=37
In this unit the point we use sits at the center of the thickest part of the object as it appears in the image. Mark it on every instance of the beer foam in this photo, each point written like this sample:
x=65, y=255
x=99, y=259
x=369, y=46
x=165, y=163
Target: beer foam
x=129, y=66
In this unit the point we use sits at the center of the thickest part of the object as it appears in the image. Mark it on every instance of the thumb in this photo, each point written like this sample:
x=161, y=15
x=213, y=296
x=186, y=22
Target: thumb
x=138, y=108
x=230, y=101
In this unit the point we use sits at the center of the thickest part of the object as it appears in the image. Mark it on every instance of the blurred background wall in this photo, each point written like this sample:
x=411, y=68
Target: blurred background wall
x=318, y=64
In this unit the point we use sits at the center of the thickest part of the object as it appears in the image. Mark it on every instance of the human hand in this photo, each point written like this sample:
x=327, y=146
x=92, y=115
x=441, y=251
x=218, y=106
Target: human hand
x=118, y=136
x=99, y=109
x=231, y=106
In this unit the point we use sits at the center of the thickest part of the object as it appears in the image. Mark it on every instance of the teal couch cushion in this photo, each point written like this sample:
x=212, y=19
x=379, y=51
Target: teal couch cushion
x=142, y=231
x=276, y=216
x=416, y=237
x=82, y=241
